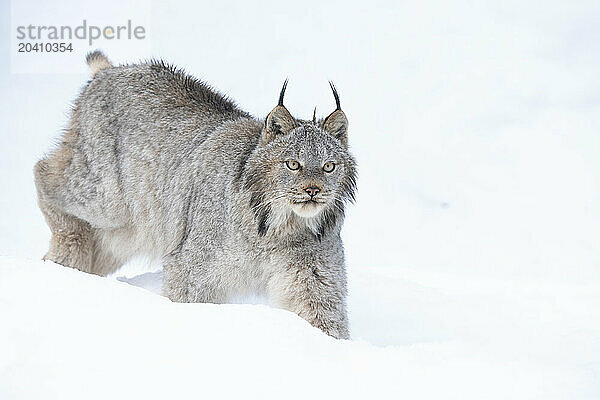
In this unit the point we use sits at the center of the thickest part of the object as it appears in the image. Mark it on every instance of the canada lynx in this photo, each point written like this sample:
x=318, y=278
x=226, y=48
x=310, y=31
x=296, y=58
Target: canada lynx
x=156, y=162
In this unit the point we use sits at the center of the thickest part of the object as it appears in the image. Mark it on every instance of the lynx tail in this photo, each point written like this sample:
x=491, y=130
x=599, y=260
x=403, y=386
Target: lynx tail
x=97, y=61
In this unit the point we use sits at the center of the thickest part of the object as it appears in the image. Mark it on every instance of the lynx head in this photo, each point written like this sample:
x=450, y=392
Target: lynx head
x=301, y=174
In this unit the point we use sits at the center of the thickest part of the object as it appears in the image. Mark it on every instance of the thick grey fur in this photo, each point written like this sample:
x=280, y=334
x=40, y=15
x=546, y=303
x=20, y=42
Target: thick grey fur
x=155, y=162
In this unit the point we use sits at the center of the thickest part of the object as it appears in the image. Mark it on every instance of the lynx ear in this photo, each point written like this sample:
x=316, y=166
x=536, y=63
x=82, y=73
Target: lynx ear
x=279, y=121
x=336, y=123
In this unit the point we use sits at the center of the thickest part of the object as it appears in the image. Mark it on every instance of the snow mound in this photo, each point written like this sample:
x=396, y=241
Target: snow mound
x=65, y=334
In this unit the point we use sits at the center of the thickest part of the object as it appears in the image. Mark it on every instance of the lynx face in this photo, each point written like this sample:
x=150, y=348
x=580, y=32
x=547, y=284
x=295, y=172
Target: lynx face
x=307, y=174
x=301, y=170
x=310, y=171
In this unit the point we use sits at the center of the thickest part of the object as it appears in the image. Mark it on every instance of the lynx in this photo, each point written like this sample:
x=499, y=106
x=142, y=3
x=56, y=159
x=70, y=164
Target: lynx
x=156, y=162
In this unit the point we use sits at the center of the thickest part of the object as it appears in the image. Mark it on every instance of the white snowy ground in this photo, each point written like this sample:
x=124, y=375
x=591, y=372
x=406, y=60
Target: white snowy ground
x=67, y=334
x=473, y=249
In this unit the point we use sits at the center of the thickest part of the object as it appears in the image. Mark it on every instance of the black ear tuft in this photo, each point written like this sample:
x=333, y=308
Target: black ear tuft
x=279, y=121
x=336, y=123
x=336, y=96
x=282, y=93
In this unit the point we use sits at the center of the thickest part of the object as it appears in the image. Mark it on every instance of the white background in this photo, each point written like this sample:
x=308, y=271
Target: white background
x=476, y=130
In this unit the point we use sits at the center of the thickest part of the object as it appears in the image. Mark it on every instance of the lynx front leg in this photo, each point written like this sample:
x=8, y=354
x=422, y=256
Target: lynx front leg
x=314, y=291
x=189, y=278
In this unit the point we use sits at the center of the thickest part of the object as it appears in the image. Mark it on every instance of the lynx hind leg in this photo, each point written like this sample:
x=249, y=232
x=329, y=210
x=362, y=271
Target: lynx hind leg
x=73, y=243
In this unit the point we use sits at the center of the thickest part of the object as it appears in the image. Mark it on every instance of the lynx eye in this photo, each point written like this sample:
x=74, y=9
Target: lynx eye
x=329, y=166
x=292, y=165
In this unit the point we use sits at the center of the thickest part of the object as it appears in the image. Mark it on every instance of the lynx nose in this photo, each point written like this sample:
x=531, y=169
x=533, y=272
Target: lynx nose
x=312, y=191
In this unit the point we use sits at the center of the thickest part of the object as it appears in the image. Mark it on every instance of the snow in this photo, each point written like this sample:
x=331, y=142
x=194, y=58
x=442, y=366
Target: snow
x=473, y=249
x=67, y=334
